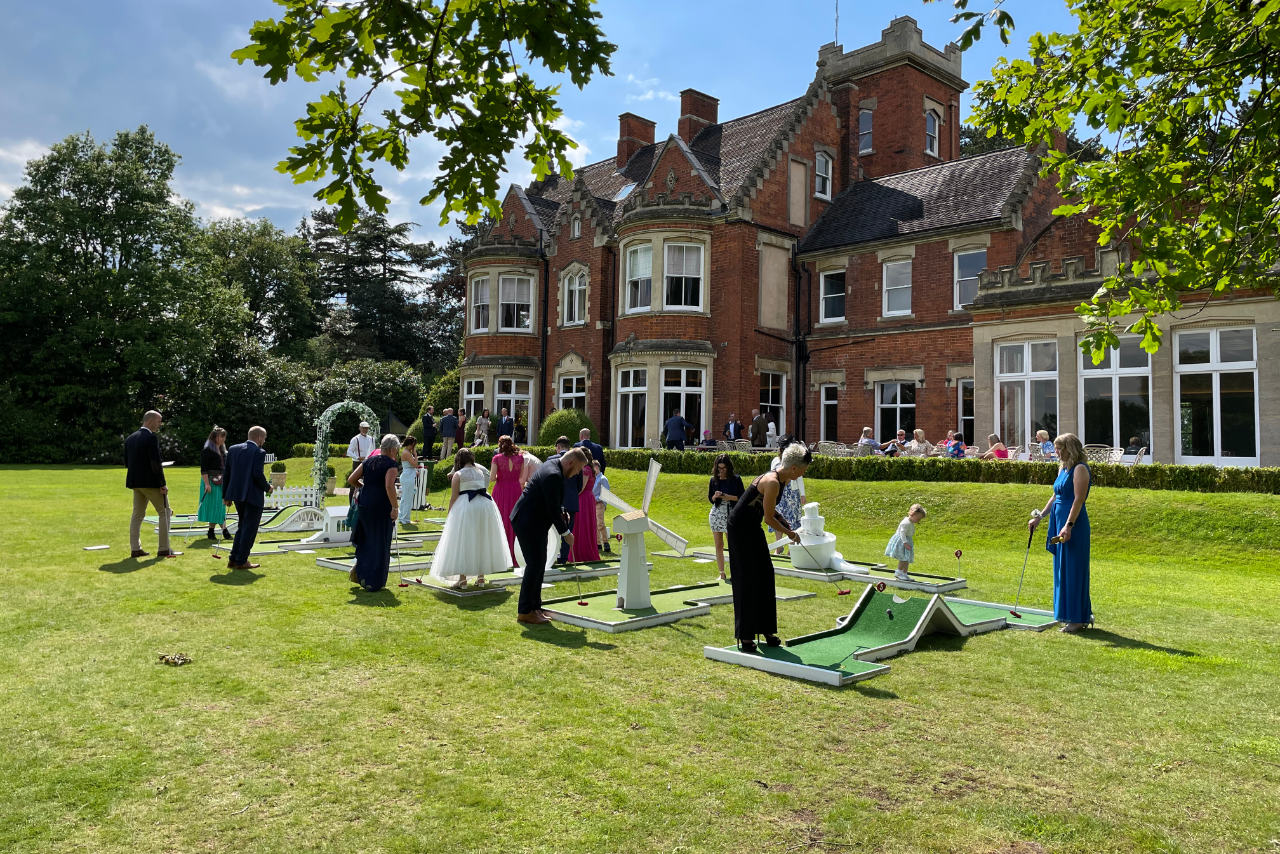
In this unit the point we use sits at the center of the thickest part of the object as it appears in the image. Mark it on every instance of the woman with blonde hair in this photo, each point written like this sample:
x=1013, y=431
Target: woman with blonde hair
x=919, y=446
x=1068, y=539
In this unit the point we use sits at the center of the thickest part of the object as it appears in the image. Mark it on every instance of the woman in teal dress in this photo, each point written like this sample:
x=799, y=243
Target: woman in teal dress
x=213, y=458
x=1069, y=524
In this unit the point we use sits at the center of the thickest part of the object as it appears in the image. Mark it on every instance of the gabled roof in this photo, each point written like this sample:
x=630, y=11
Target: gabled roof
x=970, y=191
x=726, y=153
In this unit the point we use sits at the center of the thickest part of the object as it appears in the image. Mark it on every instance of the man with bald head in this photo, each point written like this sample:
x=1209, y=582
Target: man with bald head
x=244, y=484
x=537, y=510
x=145, y=476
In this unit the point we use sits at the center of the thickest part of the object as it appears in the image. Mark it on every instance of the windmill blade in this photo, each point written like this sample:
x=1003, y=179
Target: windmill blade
x=607, y=496
x=669, y=537
x=649, y=483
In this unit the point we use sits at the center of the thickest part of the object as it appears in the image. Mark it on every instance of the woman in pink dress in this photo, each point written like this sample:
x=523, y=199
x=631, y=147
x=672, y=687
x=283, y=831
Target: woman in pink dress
x=585, y=548
x=505, y=471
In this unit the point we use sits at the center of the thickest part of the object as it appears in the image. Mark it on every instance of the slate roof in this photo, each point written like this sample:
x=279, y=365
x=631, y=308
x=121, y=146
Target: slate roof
x=960, y=192
x=727, y=151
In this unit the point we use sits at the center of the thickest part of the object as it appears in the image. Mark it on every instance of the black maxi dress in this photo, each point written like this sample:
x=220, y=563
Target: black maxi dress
x=755, y=610
x=374, y=526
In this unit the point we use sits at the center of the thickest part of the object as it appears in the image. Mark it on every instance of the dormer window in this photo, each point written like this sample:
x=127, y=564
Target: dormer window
x=931, y=123
x=822, y=176
x=575, y=228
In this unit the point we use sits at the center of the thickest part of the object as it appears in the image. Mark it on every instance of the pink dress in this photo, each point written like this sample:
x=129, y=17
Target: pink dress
x=585, y=547
x=506, y=492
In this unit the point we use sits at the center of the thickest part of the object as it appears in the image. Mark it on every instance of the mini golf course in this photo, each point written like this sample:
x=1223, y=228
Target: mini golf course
x=877, y=627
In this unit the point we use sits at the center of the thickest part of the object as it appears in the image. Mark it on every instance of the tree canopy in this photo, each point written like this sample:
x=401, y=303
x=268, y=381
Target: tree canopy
x=456, y=77
x=1185, y=97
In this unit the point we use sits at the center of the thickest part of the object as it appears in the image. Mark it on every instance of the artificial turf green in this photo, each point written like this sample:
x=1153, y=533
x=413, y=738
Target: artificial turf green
x=604, y=606
x=848, y=664
x=970, y=614
x=871, y=627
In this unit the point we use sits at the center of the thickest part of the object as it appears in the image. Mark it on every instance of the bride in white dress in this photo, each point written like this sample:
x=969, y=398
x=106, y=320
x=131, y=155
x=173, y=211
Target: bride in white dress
x=473, y=541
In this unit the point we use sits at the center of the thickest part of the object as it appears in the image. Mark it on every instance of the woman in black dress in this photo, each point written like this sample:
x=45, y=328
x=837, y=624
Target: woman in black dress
x=755, y=612
x=376, y=518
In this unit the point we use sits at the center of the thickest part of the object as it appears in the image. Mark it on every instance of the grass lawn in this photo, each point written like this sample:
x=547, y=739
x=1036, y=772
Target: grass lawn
x=315, y=717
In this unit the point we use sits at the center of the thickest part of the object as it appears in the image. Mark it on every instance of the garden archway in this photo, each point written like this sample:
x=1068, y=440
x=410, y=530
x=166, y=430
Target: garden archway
x=320, y=460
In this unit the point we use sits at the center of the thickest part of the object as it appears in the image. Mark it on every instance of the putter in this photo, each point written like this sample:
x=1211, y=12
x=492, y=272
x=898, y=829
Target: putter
x=581, y=601
x=1035, y=514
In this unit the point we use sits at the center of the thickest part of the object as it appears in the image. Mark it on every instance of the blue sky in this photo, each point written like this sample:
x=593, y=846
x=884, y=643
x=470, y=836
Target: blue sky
x=70, y=66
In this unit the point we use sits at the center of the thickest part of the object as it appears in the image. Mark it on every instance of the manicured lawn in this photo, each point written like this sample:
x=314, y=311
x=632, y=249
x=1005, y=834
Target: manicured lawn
x=317, y=718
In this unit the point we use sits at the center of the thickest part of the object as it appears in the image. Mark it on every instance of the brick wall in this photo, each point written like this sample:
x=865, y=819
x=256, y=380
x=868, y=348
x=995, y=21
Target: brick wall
x=898, y=129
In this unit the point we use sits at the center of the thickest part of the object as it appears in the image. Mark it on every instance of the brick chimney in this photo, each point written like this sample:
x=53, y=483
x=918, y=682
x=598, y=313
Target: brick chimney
x=697, y=111
x=634, y=133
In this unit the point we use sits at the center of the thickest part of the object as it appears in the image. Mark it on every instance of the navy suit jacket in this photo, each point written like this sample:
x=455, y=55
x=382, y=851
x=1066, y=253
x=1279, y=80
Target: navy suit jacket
x=539, y=506
x=142, y=460
x=243, y=479
x=596, y=451
x=507, y=427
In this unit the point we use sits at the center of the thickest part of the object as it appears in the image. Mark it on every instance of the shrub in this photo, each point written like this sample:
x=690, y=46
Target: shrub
x=278, y=467
x=444, y=393
x=564, y=422
x=330, y=471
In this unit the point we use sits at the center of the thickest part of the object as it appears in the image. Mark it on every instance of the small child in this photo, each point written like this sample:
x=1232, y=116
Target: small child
x=903, y=543
x=602, y=529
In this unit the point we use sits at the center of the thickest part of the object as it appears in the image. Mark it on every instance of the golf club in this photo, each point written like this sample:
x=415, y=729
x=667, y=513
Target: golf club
x=1035, y=514
x=581, y=601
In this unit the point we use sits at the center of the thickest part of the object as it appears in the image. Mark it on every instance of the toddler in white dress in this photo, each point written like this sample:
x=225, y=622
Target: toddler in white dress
x=902, y=545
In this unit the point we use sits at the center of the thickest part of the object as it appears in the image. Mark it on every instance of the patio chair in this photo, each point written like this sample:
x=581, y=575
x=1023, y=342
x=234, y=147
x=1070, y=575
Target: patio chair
x=743, y=445
x=861, y=450
x=828, y=449
x=1142, y=452
x=1100, y=453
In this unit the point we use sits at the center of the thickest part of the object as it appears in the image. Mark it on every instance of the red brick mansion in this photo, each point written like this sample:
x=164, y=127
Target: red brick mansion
x=833, y=262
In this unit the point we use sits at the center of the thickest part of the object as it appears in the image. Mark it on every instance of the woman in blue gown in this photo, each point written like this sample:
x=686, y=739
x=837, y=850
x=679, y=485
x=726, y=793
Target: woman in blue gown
x=376, y=518
x=1069, y=524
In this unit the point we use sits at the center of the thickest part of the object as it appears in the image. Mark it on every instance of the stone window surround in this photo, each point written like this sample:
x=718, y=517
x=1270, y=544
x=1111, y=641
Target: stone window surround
x=490, y=374
x=829, y=376
x=840, y=265
x=867, y=105
x=658, y=239
x=653, y=365
x=571, y=364
x=573, y=268
x=899, y=374
x=494, y=275
x=939, y=110
x=826, y=151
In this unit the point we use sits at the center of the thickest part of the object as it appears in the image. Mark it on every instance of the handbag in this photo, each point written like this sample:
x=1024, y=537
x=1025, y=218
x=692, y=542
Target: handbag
x=353, y=514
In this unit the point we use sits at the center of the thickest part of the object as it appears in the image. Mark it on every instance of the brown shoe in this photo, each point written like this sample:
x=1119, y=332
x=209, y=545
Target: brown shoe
x=533, y=618
x=167, y=553
x=139, y=553
x=243, y=565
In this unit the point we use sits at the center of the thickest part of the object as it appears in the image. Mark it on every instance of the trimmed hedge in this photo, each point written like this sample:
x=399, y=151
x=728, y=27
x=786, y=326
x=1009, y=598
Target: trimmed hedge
x=935, y=469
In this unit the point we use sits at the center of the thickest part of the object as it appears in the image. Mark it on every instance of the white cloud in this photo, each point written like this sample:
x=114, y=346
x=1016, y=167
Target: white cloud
x=654, y=95
x=14, y=156
x=239, y=82
x=643, y=82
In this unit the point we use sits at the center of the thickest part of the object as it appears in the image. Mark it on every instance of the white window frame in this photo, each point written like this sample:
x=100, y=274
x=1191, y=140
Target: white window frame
x=629, y=388
x=577, y=392
x=1216, y=368
x=634, y=252
x=882, y=432
x=828, y=395
x=1113, y=372
x=574, y=295
x=866, y=138
x=575, y=228
x=781, y=405
x=884, y=288
x=822, y=297
x=666, y=268
x=473, y=397
x=821, y=176
x=931, y=139
x=1026, y=376
x=971, y=427
x=476, y=303
x=510, y=400
x=955, y=273
x=685, y=391
x=514, y=281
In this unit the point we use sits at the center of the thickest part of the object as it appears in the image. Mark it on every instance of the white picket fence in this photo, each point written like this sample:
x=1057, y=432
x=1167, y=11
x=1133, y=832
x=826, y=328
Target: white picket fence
x=285, y=496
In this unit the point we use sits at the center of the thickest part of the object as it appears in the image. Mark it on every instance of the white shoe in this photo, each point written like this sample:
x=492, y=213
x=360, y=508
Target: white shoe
x=901, y=575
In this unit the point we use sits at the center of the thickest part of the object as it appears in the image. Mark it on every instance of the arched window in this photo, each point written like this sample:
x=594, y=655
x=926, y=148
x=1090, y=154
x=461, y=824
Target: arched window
x=822, y=176
x=931, y=122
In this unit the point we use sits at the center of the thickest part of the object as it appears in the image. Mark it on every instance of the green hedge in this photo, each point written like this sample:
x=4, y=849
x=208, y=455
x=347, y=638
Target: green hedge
x=936, y=469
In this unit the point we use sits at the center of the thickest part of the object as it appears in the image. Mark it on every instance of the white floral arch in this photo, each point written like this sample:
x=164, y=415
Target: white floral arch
x=320, y=464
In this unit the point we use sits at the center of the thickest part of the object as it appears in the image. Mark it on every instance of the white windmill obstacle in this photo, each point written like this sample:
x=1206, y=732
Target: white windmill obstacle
x=633, y=524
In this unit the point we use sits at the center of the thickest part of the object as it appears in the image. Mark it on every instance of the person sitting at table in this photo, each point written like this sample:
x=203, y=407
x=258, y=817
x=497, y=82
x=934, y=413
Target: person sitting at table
x=1046, y=446
x=997, y=451
x=956, y=447
x=1135, y=445
x=919, y=445
x=707, y=440
x=896, y=445
x=868, y=440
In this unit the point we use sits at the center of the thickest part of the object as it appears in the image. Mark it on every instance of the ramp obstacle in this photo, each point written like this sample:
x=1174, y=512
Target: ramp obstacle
x=879, y=626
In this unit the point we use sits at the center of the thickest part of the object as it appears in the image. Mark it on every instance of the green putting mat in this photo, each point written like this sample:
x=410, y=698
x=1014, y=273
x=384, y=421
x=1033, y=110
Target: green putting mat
x=849, y=668
x=602, y=607
x=972, y=613
x=871, y=627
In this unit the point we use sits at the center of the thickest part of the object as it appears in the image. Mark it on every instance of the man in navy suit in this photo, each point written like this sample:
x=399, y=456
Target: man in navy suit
x=507, y=425
x=595, y=449
x=538, y=508
x=733, y=428
x=244, y=484
x=145, y=476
